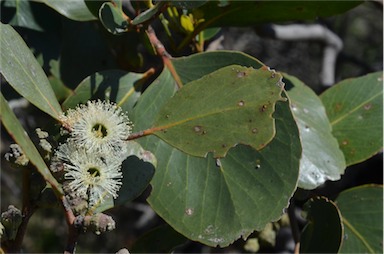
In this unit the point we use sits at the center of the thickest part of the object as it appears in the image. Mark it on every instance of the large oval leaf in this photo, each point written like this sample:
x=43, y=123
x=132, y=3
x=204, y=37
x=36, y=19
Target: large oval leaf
x=324, y=231
x=355, y=110
x=322, y=158
x=14, y=128
x=24, y=74
x=218, y=201
x=72, y=9
x=198, y=65
x=362, y=215
x=229, y=106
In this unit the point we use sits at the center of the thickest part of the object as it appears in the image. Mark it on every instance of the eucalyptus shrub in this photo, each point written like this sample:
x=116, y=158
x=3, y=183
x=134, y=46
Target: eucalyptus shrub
x=226, y=143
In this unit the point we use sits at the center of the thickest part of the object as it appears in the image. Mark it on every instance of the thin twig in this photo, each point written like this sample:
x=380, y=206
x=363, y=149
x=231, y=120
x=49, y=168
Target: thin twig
x=165, y=56
x=27, y=211
x=146, y=132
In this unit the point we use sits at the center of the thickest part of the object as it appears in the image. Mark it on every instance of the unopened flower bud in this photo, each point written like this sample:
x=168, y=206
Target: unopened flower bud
x=16, y=155
x=11, y=220
x=97, y=223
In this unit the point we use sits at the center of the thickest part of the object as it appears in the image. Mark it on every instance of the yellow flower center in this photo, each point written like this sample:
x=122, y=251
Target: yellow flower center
x=99, y=131
x=94, y=172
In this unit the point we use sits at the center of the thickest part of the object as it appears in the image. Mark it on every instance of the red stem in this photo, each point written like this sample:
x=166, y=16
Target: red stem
x=165, y=56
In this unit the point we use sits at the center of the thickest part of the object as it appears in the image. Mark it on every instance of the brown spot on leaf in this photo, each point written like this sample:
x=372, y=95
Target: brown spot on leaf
x=241, y=103
x=241, y=74
x=368, y=106
x=197, y=128
x=189, y=211
x=255, y=130
x=263, y=108
x=338, y=107
x=344, y=142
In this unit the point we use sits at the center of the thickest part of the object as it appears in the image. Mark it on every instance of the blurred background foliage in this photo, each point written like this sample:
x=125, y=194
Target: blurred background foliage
x=69, y=51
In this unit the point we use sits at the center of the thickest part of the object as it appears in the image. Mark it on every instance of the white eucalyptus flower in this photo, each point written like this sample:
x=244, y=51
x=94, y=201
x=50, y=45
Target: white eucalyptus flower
x=91, y=175
x=98, y=126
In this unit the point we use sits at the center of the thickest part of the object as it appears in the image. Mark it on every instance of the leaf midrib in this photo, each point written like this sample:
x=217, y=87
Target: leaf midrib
x=189, y=119
x=347, y=114
x=358, y=235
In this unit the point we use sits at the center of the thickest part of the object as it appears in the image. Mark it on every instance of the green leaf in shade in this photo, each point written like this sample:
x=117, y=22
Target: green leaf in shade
x=249, y=13
x=187, y=4
x=138, y=170
x=23, y=16
x=355, y=111
x=73, y=9
x=229, y=106
x=14, y=128
x=61, y=91
x=324, y=231
x=162, y=239
x=122, y=87
x=209, y=33
x=20, y=68
x=113, y=18
x=198, y=65
x=322, y=158
x=148, y=14
x=362, y=215
x=218, y=201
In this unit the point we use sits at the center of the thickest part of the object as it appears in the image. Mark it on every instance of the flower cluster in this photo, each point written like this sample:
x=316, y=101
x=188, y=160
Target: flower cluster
x=93, y=153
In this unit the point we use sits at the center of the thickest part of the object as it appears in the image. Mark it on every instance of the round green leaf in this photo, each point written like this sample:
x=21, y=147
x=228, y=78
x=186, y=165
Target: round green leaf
x=216, y=201
x=362, y=215
x=322, y=158
x=122, y=87
x=72, y=9
x=20, y=68
x=198, y=65
x=324, y=231
x=113, y=18
x=355, y=111
x=229, y=106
